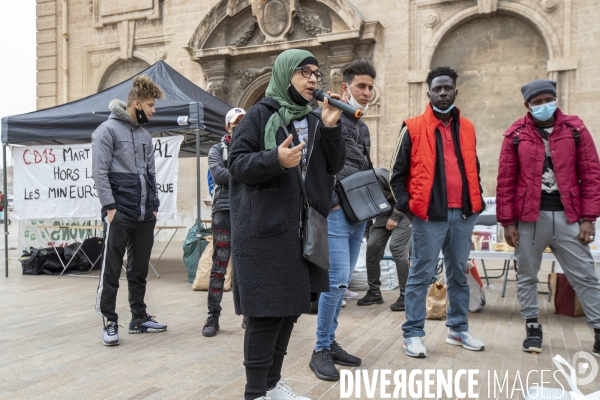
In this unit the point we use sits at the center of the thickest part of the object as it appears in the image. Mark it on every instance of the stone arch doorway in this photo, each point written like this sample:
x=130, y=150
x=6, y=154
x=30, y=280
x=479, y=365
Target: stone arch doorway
x=493, y=57
x=255, y=91
x=121, y=71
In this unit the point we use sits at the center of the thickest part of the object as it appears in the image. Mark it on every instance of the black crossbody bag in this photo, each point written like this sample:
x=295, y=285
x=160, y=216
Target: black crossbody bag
x=360, y=195
x=313, y=226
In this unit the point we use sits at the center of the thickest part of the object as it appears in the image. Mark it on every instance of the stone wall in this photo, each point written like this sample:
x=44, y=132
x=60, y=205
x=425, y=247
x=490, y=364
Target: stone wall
x=495, y=45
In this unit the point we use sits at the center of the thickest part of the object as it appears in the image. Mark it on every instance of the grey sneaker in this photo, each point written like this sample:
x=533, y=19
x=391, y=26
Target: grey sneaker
x=350, y=295
x=464, y=339
x=111, y=334
x=414, y=347
x=146, y=325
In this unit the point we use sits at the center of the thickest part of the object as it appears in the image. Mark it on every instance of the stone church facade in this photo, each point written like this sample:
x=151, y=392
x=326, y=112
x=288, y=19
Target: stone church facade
x=228, y=47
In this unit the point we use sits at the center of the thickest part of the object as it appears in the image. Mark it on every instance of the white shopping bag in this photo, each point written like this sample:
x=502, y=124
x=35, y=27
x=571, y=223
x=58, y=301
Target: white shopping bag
x=571, y=377
x=388, y=277
x=542, y=392
x=477, y=295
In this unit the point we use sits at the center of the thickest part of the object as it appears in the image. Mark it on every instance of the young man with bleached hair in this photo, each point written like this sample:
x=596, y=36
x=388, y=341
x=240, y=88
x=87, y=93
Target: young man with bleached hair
x=125, y=177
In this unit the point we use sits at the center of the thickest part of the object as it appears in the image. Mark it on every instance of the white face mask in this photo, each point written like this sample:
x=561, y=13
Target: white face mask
x=352, y=101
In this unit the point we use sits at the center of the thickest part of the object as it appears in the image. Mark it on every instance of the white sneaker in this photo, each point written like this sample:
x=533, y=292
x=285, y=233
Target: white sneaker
x=464, y=339
x=343, y=303
x=350, y=295
x=111, y=334
x=414, y=347
x=283, y=392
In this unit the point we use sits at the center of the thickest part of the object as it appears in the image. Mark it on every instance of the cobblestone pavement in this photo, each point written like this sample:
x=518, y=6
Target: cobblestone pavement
x=51, y=348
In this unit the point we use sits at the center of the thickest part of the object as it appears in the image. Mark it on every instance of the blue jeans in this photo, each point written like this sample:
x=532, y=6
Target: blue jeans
x=453, y=237
x=344, y=246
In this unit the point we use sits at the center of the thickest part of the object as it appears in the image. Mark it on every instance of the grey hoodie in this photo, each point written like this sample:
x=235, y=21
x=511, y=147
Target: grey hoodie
x=123, y=165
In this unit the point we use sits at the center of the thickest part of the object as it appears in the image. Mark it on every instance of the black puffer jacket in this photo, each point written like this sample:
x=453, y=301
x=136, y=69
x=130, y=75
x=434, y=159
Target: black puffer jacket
x=217, y=163
x=358, y=144
x=271, y=278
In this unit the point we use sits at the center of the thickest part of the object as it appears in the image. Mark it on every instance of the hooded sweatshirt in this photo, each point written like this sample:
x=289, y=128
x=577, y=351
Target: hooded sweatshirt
x=123, y=165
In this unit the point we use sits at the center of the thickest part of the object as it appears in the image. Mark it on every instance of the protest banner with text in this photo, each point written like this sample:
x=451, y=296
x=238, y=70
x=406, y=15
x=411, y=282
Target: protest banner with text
x=55, y=182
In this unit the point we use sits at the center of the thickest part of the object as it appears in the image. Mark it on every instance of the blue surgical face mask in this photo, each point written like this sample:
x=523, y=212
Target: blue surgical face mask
x=446, y=111
x=543, y=112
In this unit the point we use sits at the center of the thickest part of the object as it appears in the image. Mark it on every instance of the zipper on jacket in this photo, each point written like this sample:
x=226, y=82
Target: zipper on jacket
x=552, y=159
x=358, y=135
x=313, y=144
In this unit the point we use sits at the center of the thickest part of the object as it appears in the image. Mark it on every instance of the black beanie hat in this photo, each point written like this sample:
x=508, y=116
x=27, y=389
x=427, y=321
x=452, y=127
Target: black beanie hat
x=309, y=60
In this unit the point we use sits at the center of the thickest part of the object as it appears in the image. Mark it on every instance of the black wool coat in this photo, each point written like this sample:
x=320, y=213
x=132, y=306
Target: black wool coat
x=271, y=278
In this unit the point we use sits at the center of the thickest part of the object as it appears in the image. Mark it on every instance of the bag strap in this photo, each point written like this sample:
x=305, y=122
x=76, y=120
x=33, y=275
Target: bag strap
x=575, y=137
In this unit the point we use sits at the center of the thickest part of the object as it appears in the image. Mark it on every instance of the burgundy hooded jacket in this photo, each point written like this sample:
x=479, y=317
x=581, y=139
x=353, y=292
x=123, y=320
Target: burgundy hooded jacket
x=576, y=169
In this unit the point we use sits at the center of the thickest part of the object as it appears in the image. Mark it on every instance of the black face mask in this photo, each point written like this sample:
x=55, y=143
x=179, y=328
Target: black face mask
x=297, y=97
x=141, y=116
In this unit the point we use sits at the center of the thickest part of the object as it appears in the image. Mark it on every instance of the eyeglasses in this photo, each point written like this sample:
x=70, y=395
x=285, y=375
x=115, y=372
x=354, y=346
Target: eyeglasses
x=307, y=72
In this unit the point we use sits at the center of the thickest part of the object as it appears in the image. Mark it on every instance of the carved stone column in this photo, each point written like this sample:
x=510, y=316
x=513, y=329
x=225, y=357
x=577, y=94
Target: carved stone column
x=217, y=74
x=338, y=57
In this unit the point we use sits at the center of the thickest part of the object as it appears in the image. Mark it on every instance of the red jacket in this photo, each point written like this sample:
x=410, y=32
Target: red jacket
x=576, y=169
x=418, y=177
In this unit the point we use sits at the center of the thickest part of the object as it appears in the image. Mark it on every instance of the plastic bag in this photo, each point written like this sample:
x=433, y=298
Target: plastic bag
x=202, y=280
x=191, y=255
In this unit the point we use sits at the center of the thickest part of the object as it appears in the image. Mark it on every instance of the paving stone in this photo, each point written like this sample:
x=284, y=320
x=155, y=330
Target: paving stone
x=51, y=348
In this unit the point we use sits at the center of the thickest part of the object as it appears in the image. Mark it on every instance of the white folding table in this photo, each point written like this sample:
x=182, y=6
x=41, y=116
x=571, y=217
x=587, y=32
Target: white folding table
x=508, y=256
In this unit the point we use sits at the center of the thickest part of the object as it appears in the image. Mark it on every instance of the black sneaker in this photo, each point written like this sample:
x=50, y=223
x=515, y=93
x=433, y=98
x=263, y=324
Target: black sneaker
x=533, y=341
x=244, y=322
x=596, y=350
x=373, y=296
x=146, y=325
x=211, y=326
x=111, y=334
x=399, y=304
x=341, y=356
x=322, y=365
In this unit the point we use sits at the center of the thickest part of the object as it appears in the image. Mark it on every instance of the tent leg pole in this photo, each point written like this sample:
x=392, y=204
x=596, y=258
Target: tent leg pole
x=199, y=221
x=5, y=210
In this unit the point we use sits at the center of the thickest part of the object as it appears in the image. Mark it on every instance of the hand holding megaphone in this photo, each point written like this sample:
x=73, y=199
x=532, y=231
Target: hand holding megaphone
x=332, y=100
